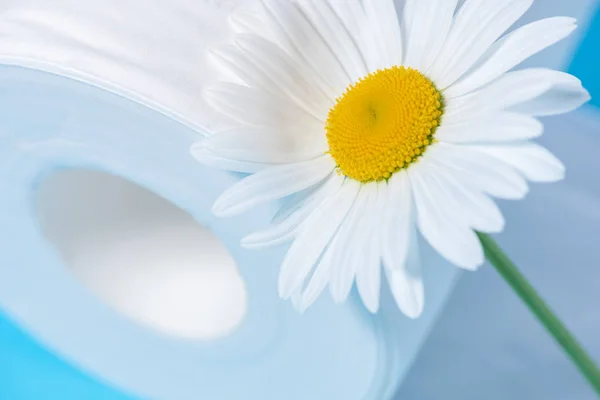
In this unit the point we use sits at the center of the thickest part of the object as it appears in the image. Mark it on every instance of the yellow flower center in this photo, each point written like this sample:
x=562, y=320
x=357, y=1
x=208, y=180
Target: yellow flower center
x=383, y=123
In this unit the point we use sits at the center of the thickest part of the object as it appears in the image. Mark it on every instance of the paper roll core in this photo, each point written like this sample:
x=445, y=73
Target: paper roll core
x=142, y=255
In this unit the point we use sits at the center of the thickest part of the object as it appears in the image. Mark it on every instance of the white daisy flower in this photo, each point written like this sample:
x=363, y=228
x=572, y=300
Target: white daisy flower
x=377, y=130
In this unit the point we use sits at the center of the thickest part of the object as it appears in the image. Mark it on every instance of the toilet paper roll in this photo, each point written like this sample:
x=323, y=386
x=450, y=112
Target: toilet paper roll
x=331, y=352
x=152, y=59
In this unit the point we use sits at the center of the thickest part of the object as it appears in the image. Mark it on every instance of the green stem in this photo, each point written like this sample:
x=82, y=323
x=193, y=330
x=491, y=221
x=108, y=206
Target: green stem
x=538, y=306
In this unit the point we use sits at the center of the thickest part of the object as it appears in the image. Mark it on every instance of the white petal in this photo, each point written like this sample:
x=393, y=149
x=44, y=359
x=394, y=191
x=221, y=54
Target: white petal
x=515, y=48
x=518, y=88
x=428, y=24
x=406, y=285
x=272, y=184
x=262, y=145
x=466, y=203
x=248, y=20
x=451, y=237
x=477, y=25
x=308, y=196
x=358, y=26
x=354, y=235
x=300, y=37
x=368, y=270
x=255, y=107
x=399, y=222
x=296, y=300
x=491, y=127
x=318, y=232
x=385, y=27
x=535, y=162
x=277, y=234
x=211, y=159
x=231, y=59
x=227, y=69
x=559, y=99
x=368, y=276
x=293, y=78
x=320, y=277
x=288, y=222
x=401, y=249
x=480, y=171
x=334, y=33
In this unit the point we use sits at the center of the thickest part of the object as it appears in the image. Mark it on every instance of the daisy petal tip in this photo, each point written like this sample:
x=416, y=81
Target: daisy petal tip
x=516, y=194
x=217, y=212
x=560, y=175
x=300, y=310
x=201, y=153
x=284, y=295
x=562, y=170
x=301, y=307
x=256, y=241
x=236, y=20
x=212, y=52
x=304, y=304
x=240, y=20
x=221, y=210
x=372, y=308
x=495, y=229
x=285, y=290
x=470, y=268
x=337, y=298
x=247, y=245
x=243, y=41
x=409, y=293
x=209, y=92
x=297, y=304
x=217, y=56
x=567, y=22
x=501, y=226
x=197, y=149
x=523, y=193
x=413, y=313
x=471, y=263
x=586, y=96
x=555, y=171
x=249, y=242
x=412, y=306
x=478, y=266
x=209, y=95
x=213, y=94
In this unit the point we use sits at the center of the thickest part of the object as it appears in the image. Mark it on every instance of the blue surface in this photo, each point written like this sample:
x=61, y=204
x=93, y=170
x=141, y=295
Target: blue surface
x=586, y=63
x=486, y=344
x=29, y=372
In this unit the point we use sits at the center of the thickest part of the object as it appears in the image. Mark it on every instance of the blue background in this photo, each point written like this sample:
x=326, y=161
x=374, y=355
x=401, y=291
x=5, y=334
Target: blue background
x=29, y=372
x=586, y=62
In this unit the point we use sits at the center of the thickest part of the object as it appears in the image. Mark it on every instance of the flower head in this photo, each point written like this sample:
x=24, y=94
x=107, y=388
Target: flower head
x=377, y=131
